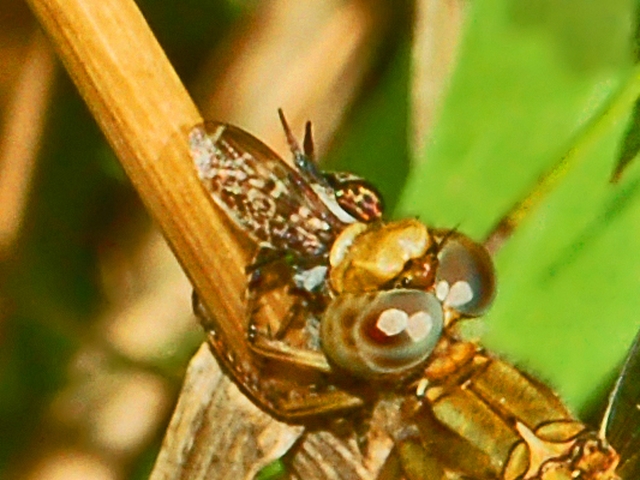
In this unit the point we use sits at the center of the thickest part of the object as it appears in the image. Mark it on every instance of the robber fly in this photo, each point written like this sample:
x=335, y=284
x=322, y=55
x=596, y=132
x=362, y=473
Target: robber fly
x=294, y=212
x=328, y=228
x=393, y=295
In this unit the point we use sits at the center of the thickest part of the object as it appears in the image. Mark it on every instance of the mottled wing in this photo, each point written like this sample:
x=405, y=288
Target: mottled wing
x=621, y=424
x=266, y=197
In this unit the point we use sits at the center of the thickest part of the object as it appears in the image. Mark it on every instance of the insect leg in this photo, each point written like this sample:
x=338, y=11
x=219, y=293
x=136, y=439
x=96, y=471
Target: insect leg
x=272, y=389
x=292, y=400
x=300, y=353
x=302, y=405
x=283, y=352
x=259, y=283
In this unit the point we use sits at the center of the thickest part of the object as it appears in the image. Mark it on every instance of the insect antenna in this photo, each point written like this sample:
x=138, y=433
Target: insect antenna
x=308, y=143
x=304, y=159
x=291, y=140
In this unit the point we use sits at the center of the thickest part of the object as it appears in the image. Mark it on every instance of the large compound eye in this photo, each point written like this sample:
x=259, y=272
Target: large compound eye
x=356, y=196
x=465, y=278
x=381, y=335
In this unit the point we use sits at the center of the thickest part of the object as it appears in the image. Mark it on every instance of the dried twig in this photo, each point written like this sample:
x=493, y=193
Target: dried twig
x=146, y=115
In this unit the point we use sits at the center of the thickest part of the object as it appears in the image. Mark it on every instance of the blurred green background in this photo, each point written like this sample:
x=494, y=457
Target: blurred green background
x=528, y=78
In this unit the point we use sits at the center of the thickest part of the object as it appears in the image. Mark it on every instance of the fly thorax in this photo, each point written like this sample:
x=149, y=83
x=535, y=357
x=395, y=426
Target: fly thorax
x=365, y=257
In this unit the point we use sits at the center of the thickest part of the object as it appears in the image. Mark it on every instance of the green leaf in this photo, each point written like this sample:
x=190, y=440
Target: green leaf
x=274, y=471
x=569, y=288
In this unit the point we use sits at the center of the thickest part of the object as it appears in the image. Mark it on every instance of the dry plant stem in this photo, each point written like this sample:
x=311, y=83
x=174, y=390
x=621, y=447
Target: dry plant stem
x=145, y=113
x=20, y=139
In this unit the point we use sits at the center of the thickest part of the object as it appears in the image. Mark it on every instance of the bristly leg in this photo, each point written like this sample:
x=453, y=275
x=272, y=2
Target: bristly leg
x=287, y=392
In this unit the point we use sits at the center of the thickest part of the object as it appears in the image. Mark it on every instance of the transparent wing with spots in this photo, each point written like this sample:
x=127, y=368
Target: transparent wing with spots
x=267, y=198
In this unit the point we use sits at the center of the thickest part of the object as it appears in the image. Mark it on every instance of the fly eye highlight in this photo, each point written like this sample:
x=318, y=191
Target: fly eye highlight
x=382, y=335
x=356, y=196
x=465, y=278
